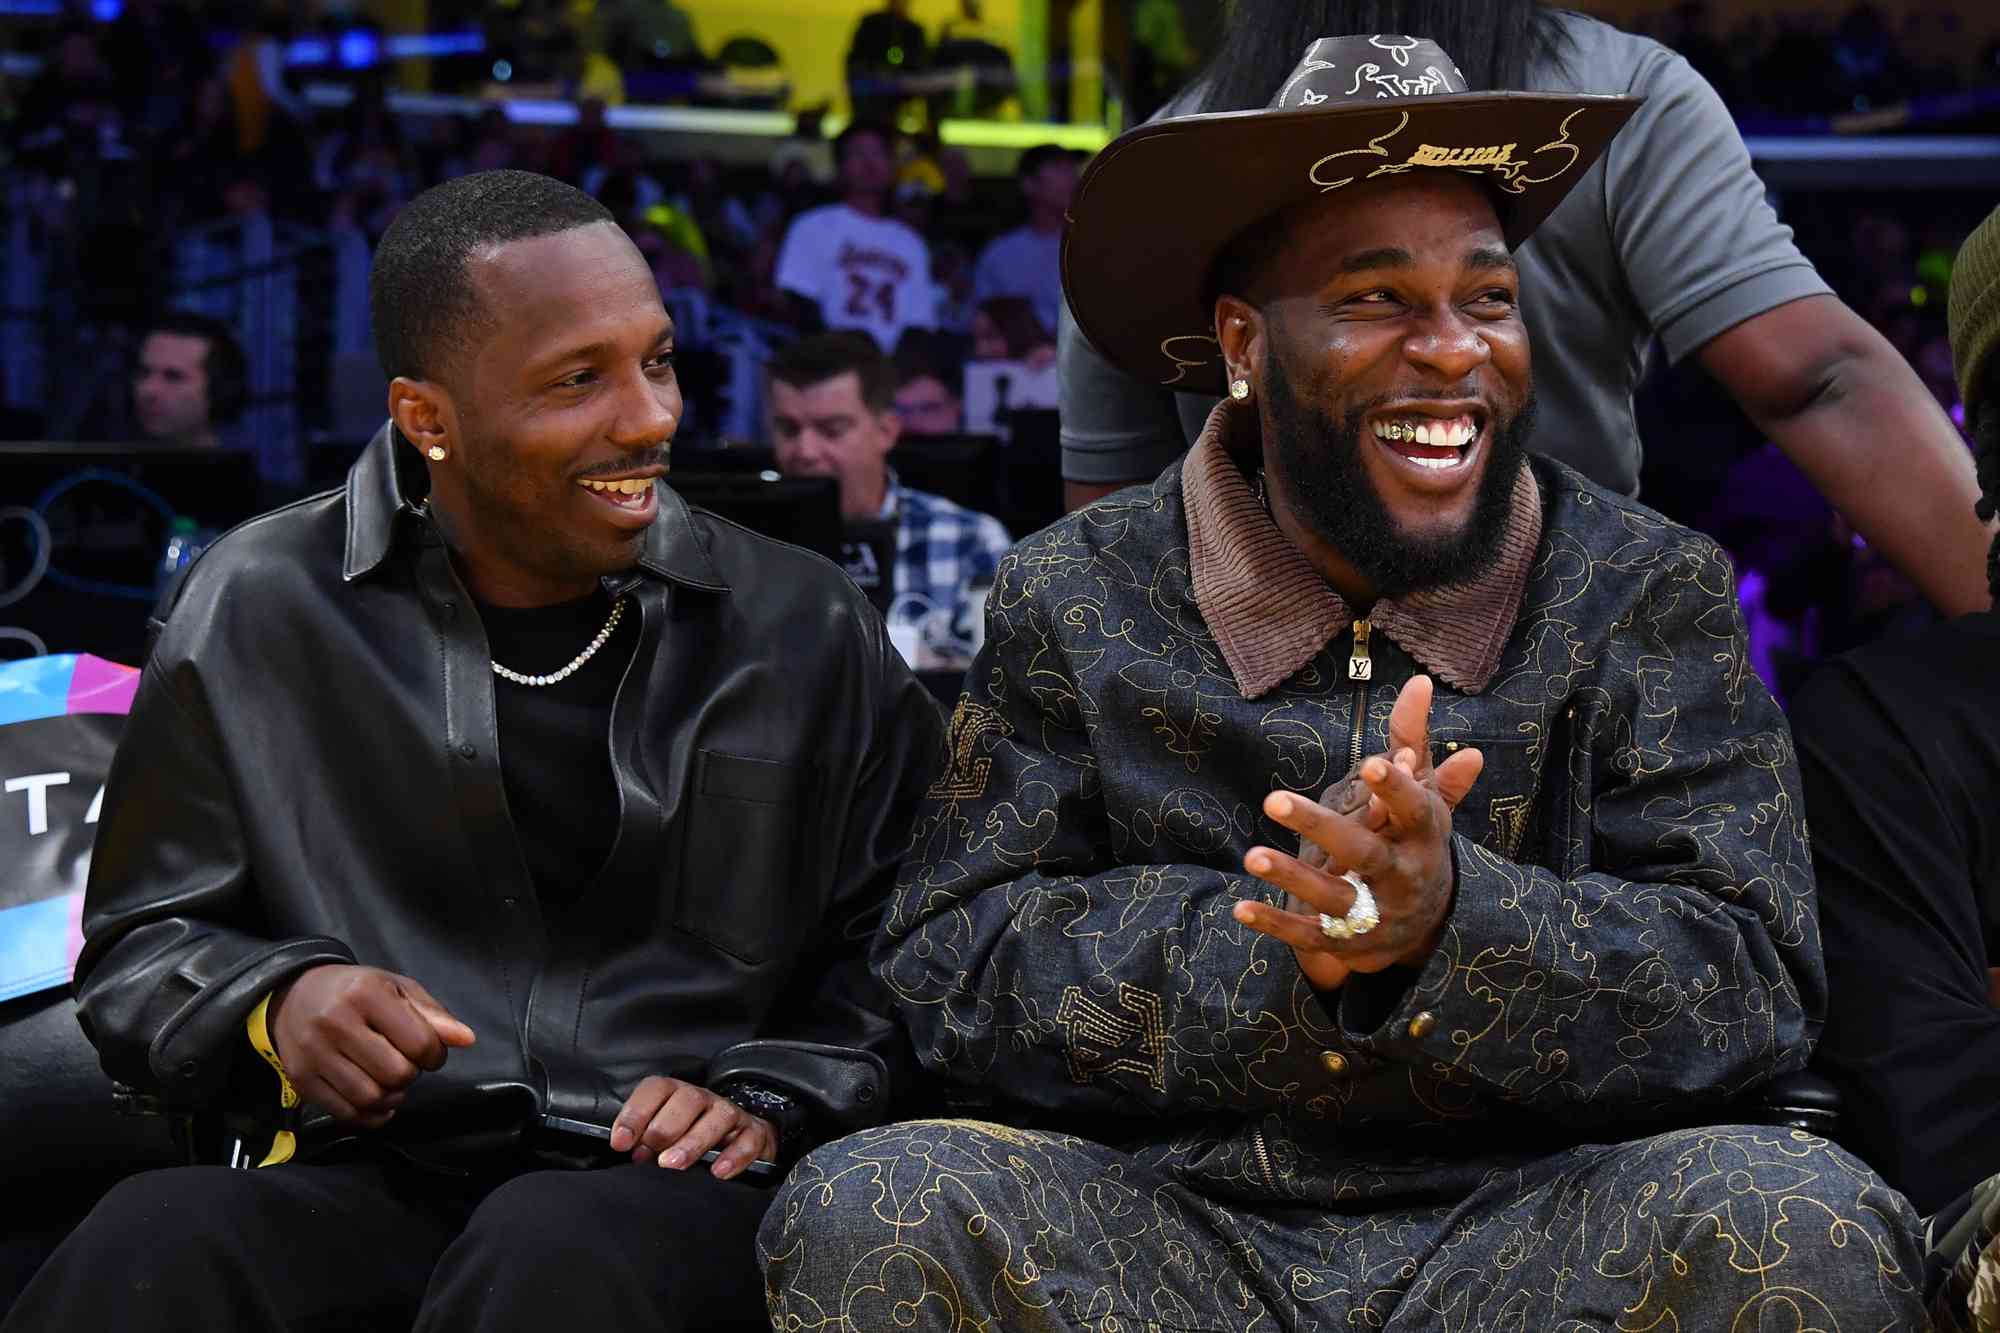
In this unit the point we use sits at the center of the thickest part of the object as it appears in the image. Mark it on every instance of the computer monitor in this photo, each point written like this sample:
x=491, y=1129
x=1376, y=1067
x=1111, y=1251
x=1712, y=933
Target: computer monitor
x=802, y=510
x=1031, y=488
x=83, y=531
x=961, y=467
x=1017, y=480
x=868, y=554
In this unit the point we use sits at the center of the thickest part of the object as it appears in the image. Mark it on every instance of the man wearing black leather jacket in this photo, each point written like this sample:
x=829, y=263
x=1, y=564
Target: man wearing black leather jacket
x=493, y=818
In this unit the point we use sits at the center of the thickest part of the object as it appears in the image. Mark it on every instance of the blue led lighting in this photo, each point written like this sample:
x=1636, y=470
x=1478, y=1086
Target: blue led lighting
x=359, y=49
x=362, y=48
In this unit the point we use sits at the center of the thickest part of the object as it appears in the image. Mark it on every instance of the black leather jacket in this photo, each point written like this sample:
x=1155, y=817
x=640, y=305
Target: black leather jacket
x=310, y=775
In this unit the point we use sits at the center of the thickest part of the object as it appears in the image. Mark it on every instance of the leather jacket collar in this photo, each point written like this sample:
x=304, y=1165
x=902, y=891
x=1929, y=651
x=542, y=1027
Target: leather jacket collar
x=387, y=484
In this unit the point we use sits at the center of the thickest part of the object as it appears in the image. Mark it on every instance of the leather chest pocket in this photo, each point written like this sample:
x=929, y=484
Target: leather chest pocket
x=1499, y=811
x=739, y=886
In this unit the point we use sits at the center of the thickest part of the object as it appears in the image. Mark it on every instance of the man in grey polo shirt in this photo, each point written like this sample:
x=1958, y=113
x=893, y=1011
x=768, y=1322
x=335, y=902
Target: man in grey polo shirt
x=1668, y=236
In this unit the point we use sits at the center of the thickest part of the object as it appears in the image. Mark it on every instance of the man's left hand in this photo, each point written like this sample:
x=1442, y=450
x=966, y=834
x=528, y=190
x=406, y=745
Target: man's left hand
x=1399, y=843
x=674, y=1123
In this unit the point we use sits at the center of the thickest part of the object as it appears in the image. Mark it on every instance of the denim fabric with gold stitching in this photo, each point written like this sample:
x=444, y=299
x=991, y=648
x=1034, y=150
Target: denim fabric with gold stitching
x=1165, y=1126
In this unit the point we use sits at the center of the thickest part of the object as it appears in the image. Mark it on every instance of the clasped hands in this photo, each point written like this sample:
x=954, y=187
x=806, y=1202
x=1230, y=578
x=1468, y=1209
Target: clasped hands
x=353, y=1039
x=1390, y=824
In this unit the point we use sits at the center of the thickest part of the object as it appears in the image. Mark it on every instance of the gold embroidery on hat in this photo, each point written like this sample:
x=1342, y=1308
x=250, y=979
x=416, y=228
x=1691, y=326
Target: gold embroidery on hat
x=1562, y=143
x=1181, y=364
x=1491, y=159
x=1497, y=156
x=1374, y=149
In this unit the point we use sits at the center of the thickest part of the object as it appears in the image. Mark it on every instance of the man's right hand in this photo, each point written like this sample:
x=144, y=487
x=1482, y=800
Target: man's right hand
x=1409, y=749
x=1351, y=797
x=353, y=1038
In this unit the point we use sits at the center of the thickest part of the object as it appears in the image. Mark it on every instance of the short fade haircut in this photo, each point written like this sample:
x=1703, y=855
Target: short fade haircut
x=1041, y=155
x=420, y=294
x=826, y=356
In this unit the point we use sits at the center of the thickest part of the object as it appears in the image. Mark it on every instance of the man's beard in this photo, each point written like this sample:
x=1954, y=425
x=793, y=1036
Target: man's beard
x=1328, y=483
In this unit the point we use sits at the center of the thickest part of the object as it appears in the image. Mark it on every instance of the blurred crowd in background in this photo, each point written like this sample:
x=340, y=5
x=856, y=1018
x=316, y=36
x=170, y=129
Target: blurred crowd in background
x=165, y=157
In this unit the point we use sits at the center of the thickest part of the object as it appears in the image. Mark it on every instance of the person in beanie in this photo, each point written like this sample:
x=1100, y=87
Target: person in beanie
x=1369, y=888
x=1899, y=743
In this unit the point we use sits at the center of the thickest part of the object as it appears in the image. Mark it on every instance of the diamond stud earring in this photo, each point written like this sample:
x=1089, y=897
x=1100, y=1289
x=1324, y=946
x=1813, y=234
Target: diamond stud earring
x=1239, y=389
x=437, y=453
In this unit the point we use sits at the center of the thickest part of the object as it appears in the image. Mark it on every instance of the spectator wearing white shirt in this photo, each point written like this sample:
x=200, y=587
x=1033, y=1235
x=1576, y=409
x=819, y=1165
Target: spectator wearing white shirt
x=1027, y=261
x=847, y=265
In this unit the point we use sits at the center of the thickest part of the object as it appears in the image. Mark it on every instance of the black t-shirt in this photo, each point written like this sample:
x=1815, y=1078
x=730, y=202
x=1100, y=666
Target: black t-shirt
x=1899, y=746
x=555, y=740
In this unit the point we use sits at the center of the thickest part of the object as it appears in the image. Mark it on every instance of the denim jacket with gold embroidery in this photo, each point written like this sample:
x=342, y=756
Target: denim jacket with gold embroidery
x=1633, y=931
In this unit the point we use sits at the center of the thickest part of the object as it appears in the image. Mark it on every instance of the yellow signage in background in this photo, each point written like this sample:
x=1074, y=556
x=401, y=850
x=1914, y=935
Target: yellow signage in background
x=811, y=38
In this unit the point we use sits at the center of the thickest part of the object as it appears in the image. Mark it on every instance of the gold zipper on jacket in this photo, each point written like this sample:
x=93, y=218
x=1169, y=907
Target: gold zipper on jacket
x=1360, y=670
x=1263, y=1158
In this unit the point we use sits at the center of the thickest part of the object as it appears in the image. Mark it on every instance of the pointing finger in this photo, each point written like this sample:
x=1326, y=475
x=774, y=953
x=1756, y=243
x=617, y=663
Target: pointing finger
x=1410, y=722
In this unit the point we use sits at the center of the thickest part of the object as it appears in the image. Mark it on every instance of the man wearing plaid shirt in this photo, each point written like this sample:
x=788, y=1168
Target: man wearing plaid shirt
x=833, y=415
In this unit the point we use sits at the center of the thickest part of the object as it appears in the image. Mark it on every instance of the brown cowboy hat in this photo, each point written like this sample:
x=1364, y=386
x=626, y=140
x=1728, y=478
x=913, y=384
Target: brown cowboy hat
x=1157, y=207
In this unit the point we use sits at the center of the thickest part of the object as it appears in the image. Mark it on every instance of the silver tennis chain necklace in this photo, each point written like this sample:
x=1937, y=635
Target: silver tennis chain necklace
x=575, y=663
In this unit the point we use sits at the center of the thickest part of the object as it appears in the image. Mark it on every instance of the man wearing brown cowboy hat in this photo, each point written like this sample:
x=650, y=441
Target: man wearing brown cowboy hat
x=1476, y=1056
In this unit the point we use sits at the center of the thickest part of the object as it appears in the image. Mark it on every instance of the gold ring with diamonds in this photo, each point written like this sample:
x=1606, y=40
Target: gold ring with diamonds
x=1362, y=916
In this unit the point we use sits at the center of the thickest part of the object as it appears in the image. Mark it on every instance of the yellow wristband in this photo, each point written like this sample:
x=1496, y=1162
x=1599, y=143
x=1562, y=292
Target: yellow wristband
x=285, y=1143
